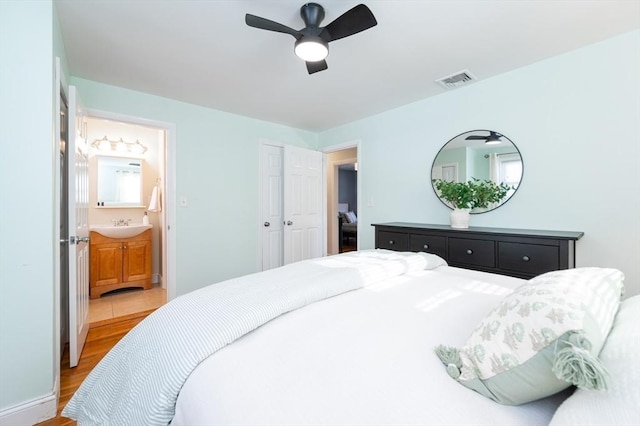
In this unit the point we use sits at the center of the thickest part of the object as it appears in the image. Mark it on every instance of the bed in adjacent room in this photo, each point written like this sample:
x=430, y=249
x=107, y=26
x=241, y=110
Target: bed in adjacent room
x=347, y=339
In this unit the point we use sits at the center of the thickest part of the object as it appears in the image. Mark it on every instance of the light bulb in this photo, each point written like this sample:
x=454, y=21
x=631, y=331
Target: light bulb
x=311, y=49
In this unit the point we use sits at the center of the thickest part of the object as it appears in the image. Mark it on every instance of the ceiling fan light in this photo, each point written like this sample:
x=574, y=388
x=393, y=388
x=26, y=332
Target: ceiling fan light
x=493, y=140
x=311, y=49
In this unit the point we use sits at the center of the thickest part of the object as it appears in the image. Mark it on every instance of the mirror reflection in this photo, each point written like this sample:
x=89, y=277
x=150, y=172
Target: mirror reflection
x=480, y=154
x=119, y=182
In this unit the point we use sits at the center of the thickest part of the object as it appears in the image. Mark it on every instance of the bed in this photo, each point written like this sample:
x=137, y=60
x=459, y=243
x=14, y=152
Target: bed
x=347, y=339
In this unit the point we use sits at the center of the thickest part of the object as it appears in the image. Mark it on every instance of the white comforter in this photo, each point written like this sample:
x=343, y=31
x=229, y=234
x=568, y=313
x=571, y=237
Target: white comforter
x=362, y=358
x=137, y=383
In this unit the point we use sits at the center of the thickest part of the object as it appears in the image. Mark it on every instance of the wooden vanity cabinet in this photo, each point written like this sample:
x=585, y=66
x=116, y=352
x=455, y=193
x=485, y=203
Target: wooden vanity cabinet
x=522, y=253
x=119, y=263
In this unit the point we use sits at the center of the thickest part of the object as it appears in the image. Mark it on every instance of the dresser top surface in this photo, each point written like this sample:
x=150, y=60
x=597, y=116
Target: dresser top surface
x=569, y=235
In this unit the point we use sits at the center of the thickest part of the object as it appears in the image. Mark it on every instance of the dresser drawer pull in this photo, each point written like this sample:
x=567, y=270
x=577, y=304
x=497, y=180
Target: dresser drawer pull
x=526, y=258
x=426, y=246
x=391, y=242
x=469, y=251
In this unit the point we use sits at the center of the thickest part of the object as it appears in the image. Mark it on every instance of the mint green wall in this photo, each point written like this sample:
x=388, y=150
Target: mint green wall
x=27, y=235
x=58, y=45
x=574, y=118
x=216, y=170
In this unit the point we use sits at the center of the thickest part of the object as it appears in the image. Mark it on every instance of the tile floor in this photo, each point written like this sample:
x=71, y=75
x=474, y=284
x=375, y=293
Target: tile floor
x=125, y=304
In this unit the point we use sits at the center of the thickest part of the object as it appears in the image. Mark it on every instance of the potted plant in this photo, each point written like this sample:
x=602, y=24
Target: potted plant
x=465, y=196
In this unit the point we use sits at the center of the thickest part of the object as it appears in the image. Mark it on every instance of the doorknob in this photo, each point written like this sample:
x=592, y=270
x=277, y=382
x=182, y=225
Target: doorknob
x=289, y=223
x=267, y=224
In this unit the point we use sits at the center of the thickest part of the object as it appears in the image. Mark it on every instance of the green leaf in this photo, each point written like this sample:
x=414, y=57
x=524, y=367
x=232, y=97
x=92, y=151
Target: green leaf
x=473, y=194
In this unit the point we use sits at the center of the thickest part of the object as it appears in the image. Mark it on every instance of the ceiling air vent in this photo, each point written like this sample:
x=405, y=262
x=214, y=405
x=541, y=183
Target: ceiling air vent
x=457, y=79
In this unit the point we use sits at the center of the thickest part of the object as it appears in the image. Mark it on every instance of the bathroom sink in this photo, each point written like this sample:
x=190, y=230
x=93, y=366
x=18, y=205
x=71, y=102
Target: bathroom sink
x=120, y=231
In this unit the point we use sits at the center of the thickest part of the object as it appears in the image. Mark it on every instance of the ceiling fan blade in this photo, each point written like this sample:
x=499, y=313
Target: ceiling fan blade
x=266, y=24
x=476, y=138
x=313, y=67
x=351, y=22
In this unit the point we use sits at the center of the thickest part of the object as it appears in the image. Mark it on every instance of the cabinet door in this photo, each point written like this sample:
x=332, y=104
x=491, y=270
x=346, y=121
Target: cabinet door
x=106, y=264
x=137, y=261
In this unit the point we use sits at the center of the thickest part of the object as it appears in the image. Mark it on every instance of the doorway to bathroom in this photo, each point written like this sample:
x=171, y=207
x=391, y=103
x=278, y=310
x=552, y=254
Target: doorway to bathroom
x=128, y=176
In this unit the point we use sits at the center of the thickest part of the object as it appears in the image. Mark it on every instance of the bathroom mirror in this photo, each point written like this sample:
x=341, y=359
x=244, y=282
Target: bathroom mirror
x=119, y=182
x=480, y=154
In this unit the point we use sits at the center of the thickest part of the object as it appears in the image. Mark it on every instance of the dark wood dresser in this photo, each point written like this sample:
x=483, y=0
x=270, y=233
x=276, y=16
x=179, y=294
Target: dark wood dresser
x=522, y=253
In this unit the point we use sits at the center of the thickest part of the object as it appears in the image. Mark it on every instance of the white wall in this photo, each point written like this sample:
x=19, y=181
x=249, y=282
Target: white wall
x=27, y=230
x=575, y=119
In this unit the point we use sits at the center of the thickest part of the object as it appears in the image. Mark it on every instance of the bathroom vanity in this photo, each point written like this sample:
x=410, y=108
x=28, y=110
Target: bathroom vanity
x=119, y=261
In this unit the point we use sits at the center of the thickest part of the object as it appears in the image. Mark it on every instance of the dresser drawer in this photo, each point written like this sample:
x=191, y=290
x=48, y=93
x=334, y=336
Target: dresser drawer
x=393, y=241
x=428, y=244
x=533, y=259
x=472, y=252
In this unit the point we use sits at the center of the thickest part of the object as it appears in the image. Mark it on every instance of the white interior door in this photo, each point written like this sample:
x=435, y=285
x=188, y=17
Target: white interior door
x=303, y=204
x=78, y=228
x=271, y=205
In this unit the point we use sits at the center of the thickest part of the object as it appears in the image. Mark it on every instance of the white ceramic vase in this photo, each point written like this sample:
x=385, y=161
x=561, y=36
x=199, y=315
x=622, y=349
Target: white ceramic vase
x=460, y=218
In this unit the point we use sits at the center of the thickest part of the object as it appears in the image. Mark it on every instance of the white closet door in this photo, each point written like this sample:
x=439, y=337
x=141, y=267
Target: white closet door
x=303, y=204
x=271, y=205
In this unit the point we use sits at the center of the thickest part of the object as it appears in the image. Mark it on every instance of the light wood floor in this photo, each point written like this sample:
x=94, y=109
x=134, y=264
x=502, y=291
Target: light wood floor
x=99, y=341
x=110, y=318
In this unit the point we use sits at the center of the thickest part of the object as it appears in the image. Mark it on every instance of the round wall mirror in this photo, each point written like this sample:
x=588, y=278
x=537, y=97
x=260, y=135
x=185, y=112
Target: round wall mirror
x=483, y=155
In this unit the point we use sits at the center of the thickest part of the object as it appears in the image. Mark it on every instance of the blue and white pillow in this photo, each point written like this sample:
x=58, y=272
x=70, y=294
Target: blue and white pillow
x=542, y=338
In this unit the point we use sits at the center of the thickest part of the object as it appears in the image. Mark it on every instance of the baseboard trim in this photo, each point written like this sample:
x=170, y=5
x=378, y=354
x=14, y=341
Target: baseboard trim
x=30, y=413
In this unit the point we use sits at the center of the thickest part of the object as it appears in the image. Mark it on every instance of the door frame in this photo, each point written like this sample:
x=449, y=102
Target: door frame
x=62, y=90
x=168, y=247
x=332, y=224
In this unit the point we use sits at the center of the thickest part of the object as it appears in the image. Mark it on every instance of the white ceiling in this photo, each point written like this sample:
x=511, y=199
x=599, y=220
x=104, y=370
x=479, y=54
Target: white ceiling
x=201, y=51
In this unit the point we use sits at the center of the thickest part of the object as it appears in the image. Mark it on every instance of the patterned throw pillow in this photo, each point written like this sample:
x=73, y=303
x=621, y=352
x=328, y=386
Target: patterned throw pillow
x=542, y=338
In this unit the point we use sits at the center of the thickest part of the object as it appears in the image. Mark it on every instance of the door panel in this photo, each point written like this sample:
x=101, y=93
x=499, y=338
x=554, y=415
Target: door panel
x=78, y=219
x=271, y=206
x=303, y=188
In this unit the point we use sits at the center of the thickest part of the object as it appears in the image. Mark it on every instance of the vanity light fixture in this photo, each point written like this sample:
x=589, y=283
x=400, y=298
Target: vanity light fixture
x=120, y=145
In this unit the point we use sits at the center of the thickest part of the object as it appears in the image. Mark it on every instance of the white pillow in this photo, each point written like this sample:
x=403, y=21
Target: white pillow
x=621, y=356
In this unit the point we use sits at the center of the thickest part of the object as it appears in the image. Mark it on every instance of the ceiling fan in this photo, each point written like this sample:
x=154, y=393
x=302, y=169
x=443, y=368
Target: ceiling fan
x=312, y=42
x=492, y=139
